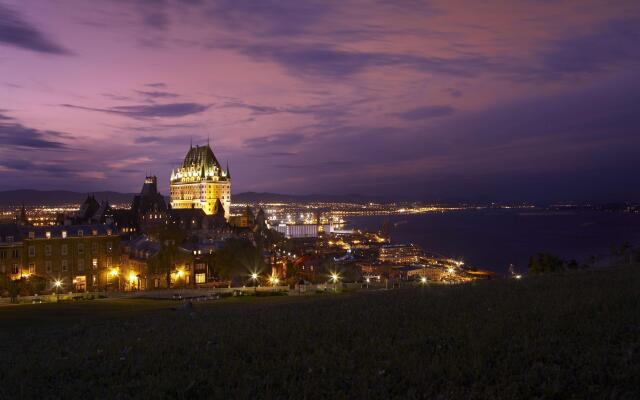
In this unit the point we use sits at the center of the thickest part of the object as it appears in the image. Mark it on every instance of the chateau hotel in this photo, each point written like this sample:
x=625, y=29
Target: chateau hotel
x=200, y=182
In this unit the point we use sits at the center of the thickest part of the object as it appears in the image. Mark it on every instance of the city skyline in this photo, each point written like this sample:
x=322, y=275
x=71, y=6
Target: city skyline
x=435, y=100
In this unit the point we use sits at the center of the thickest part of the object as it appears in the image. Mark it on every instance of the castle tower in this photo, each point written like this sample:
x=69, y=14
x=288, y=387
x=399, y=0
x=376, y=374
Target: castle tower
x=200, y=182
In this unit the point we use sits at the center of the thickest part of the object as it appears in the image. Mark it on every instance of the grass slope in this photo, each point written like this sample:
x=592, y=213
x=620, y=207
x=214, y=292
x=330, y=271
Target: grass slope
x=564, y=336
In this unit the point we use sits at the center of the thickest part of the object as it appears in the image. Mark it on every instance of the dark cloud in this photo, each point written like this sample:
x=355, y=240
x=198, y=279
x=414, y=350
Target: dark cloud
x=17, y=32
x=4, y=117
x=608, y=47
x=116, y=97
x=46, y=167
x=325, y=61
x=157, y=85
x=283, y=139
x=427, y=112
x=171, y=110
x=323, y=165
x=157, y=139
x=453, y=92
x=269, y=17
x=156, y=20
x=157, y=94
x=15, y=135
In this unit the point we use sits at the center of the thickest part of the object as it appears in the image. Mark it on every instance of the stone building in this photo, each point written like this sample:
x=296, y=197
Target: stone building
x=200, y=181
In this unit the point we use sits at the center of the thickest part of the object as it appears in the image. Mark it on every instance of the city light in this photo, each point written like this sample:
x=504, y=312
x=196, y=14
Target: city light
x=113, y=272
x=518, y=276
x=132, y=277
x=57, y=283
x=423, y=280
x=254, y=276
x=451, y=270
x=335, y=277
x=179, y=273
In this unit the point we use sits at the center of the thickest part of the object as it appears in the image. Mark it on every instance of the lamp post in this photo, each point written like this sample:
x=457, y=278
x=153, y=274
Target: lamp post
x=57, y=284
x=335, y=278
x=254, y=278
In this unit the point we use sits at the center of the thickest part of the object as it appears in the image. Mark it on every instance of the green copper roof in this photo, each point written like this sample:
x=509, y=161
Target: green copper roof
x=200, y=156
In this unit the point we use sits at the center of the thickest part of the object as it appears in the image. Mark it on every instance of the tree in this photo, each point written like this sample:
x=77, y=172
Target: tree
x=239, y=257
x=544, y=263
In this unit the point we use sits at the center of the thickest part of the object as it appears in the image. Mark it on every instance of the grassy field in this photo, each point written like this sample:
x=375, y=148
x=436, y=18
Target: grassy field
x=575, y=335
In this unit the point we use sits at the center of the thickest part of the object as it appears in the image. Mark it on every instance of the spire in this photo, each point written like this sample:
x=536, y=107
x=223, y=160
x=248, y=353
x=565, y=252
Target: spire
x=191, y=143
x=228, y=173
x=208, y=137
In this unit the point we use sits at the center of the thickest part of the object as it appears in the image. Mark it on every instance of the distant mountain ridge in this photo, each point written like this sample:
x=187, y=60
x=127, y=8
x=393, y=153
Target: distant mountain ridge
x=265, y=197
x=30, y=197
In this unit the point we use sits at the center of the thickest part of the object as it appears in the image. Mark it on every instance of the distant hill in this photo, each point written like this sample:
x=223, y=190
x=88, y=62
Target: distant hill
x=255, y=197
x=31, y=197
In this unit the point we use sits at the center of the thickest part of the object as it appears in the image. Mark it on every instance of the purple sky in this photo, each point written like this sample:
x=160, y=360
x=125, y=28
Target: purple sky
x=509, y=100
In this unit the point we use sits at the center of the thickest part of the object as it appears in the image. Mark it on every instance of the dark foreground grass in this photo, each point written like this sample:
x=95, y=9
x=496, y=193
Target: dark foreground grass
x=563, y=336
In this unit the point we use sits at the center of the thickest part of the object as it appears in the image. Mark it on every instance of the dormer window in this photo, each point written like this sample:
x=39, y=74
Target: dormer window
x=80, y=233
x=9, y=239
x=108, y=232
x=95, y=232
x=32, y=235
x=47, y=234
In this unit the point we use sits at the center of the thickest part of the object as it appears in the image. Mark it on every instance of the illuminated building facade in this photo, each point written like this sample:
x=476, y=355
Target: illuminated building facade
x=79, y=256
x=200, y=182
x=399, y=253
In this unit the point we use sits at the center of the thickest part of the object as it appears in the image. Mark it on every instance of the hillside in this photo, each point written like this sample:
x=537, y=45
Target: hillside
x=572, y=335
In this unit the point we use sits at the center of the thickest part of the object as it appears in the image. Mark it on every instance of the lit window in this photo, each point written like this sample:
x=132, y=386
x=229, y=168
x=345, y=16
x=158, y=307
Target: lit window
x=80, y=233
x=201, y=278
x=47, y=234
x=32, y=235
x=94, y=232
x=65, y=265
x=94, y=263
x=32, y=268
x=64, y=234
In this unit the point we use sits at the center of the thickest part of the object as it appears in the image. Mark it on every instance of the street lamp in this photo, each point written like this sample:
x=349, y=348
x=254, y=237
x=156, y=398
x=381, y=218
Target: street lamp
x=335, y=277
x=254, y=278
x=57, y=284
x=423, y=280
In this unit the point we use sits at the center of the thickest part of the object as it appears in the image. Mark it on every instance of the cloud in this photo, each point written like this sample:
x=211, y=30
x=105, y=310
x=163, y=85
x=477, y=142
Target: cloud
x=19, y=136
x=321, y=60
x=171, y=110
x=427, y=112
x=269, y=17
x=157, y=94
x=283, y=139
x=609, y=46
x=17, y=32
x=453, y=92
x=157, y=85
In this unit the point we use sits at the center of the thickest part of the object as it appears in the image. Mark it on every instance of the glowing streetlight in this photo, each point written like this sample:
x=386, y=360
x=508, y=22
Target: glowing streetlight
x=57, y=284
x=423, y=280
x=254, y=278
x=335, y=277
x=451, y=270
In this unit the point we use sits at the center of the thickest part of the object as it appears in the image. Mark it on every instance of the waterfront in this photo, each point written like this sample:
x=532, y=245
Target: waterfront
x=494, y=238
